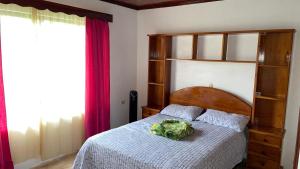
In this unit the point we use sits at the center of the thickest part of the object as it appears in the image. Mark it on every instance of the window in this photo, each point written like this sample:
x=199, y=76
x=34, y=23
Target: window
x=44, y=80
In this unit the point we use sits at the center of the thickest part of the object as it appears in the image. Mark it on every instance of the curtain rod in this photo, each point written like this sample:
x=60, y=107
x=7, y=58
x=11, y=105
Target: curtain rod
x=55, y=7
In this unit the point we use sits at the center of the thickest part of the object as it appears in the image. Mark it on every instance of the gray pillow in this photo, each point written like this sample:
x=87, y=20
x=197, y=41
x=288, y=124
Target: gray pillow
x=234, y=121
x=188, y=113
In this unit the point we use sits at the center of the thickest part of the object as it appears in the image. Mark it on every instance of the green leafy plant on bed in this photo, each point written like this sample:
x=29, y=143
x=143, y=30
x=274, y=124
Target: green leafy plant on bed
x=173, y=129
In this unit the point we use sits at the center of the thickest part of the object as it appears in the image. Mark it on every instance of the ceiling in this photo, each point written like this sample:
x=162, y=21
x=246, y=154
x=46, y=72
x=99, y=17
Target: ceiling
x=149, y=4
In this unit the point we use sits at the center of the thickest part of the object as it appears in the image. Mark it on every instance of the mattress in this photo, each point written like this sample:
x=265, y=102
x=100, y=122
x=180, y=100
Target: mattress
x=132, y=146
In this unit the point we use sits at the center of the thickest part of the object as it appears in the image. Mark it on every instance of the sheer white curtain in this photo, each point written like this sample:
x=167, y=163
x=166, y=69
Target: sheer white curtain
x=44, y=79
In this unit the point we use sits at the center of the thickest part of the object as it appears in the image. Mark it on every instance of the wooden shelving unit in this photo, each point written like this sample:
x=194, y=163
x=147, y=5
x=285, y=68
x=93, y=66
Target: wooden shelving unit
x=269, y=109
x=215, y=47
x=269, y=50
x=158, y=74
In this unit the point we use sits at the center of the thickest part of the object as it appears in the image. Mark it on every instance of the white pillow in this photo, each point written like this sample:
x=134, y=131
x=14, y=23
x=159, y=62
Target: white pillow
x=189, y=113
x=234, y=121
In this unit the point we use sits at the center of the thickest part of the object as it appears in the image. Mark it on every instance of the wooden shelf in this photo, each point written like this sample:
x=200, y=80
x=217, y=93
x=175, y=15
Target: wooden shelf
x=273, y=82
x=207, y=60
x=156, y=84
x=156, y=72
x=156, y=60
x=272, y=66
x=240, y=61
x=270, y=98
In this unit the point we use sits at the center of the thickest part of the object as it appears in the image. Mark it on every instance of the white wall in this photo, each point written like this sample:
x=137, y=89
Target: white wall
x=123, y=43
x=298, y=163
x=129, y=47
x=234, y=77
x=222, y=16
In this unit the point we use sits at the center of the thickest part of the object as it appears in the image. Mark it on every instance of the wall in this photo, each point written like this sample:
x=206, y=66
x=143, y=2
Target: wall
x=123, y=42
x=225, y=76
x=129, y=46
x=298, y=163
x=222, y=16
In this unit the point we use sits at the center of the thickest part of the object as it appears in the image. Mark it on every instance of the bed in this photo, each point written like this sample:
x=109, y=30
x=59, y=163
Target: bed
x=132, y=146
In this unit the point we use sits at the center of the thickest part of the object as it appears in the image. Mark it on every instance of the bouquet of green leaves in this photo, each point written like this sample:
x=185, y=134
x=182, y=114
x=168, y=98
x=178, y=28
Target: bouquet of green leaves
x=173, y=129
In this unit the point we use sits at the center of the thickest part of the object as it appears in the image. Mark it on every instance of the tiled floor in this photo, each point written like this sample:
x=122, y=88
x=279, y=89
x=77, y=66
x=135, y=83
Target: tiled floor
x=64, y=163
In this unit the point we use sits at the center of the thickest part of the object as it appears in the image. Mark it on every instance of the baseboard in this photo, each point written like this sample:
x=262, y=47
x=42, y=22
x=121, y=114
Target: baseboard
x=37, y=163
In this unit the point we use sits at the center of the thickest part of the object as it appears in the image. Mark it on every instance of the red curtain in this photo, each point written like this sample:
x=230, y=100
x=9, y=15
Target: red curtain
x=97, y=97
x=5, y=156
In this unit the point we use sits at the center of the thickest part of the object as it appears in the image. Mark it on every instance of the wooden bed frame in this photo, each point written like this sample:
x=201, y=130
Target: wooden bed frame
x=211, y=98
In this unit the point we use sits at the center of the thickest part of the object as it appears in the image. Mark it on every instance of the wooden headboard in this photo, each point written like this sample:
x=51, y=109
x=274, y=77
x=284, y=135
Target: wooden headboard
x=211, y=98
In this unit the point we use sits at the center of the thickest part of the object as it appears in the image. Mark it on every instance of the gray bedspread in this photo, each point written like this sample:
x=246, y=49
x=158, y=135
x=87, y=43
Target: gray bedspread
x=133, y=147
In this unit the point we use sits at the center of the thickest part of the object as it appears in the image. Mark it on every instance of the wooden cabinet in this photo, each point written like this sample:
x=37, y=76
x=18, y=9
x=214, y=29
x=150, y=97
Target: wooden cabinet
x=264, y=139
x=258, y=162
x=267, y=151
x=147, y=111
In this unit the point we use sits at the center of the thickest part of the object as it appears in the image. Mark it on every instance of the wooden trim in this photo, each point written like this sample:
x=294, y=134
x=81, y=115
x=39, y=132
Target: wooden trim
x=174, y=3
x=55, y=7
x=158, y=5
x=209, y=60
x=228, y=32
x=195, y=46
x=224, y=46
x=297, y=145
x=120, y=3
